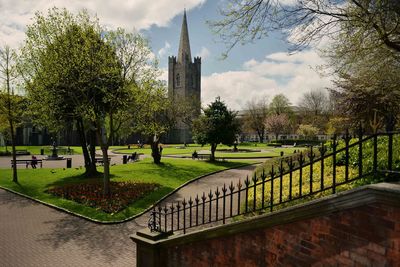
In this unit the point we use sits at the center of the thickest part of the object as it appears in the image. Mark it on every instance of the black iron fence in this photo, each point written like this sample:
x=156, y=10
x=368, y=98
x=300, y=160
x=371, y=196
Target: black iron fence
x=315, y=172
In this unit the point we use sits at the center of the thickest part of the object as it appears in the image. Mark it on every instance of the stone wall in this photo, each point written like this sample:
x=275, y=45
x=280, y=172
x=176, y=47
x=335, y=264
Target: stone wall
x=357, y=228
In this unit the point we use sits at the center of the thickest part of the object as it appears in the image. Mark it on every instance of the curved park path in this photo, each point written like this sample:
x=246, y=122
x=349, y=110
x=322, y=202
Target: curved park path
x=32, y=234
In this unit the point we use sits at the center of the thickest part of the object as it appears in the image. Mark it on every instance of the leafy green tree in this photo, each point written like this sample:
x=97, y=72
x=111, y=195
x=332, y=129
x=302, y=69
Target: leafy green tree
x=57, y=74
x=217, y=125
x=308, y=131
x=309, y=21
x=367, y=76
x=280, y=104
x=87, y=74
x=11, y=105
x=338, y=125
x=77, y=74
x=138, y=68
x=363, y=97
x=154, y=119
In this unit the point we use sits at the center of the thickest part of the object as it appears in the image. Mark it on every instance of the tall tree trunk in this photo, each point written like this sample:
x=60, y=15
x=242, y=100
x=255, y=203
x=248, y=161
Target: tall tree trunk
x=155, y=152
x=213, y=148
x=102, y=137
x=106, y=174
x=11, y=122
x=92, y=151
x=90, y=165
x=260, y=136
x=14, y=156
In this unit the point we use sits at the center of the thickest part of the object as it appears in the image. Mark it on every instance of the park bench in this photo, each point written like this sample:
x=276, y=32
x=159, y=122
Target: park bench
x=26, y=162
x=203, y=156
x=100, y=161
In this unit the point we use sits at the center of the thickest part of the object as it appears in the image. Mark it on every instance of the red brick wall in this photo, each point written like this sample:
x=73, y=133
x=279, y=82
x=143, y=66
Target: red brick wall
x=364, y=236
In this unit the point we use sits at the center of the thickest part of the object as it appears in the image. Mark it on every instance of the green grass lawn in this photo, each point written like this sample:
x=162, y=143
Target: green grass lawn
x=187, y=152
x=170, y=174
x=167, y=149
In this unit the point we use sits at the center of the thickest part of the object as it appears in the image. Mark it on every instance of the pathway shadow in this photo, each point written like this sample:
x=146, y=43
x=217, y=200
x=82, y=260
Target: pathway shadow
x=13, y=200
x=106, y=241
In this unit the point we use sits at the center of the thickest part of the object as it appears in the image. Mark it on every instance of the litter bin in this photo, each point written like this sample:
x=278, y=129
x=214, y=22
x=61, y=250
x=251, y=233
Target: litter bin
x=42, y=151
x=69, y=163
x=124, y=159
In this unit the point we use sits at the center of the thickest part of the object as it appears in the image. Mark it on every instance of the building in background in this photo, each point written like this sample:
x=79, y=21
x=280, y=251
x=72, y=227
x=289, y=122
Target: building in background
x=184, y=84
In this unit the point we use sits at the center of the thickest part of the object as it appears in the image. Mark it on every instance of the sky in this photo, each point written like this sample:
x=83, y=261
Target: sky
x=253, y=71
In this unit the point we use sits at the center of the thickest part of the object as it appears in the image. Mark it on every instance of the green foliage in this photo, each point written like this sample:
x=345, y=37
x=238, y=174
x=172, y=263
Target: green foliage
x=217, y=125
x=280, y=104
x=308, y=131
x=77, y=70
x=367, y=156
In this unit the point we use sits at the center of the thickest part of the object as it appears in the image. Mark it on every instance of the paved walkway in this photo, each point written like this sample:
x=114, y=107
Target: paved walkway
x=32, y=234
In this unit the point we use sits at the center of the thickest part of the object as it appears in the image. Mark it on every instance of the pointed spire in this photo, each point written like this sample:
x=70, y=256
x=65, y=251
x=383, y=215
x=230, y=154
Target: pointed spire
x=184, y=45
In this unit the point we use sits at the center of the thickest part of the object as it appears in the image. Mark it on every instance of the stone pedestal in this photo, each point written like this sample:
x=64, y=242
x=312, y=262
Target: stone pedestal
x=147, y=248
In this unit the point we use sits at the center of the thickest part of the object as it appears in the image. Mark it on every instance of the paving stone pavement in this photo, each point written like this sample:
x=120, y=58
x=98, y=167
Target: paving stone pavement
x=32, y=234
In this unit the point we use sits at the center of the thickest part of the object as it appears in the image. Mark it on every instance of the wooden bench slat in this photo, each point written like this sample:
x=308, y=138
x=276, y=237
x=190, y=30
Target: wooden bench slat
x=27, y=162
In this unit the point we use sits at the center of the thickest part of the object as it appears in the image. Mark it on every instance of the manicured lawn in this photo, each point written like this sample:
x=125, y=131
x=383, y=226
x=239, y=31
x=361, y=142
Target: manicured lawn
x=170, y=174
x=269, y=152
x=167, y=149
x=175, y=150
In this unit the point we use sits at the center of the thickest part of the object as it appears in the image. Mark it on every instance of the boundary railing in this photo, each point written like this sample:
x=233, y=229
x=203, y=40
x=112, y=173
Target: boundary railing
x=277, y=187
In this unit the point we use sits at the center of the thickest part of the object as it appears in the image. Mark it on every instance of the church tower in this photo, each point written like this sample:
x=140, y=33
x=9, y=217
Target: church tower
x=184, y=83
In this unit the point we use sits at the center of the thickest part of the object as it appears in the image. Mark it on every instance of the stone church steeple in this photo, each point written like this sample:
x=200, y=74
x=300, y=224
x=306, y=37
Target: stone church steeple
x=184, y=83
x=184, y=44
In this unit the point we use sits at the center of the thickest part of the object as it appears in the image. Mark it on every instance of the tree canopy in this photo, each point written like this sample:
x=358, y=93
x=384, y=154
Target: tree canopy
x=76, y=70
x=280, y=104
x=217, y=125
x=309, y=21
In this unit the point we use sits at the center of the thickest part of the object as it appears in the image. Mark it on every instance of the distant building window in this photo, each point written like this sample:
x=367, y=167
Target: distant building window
x=178, y=80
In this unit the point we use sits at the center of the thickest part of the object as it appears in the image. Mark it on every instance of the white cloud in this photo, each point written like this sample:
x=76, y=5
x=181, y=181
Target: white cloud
x=291, y=75
x=204, y=53
x=163, y=75
x=236, y=87
x=138, y=14
x=163, y=51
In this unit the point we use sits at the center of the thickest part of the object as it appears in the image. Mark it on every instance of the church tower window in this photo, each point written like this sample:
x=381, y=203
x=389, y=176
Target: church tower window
x=178, y=80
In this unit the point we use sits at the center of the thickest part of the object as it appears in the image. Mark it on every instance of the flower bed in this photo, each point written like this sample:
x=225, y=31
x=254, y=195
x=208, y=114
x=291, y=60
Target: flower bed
x=91, y=194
